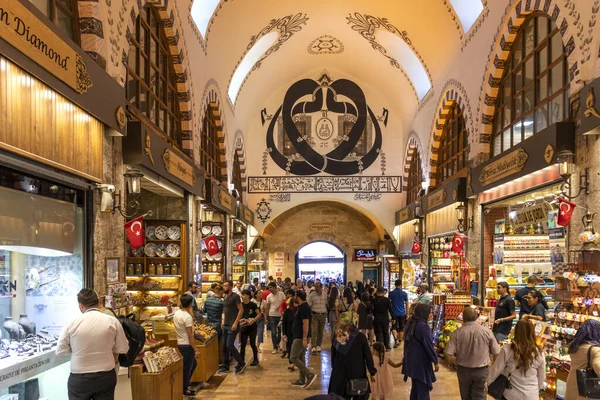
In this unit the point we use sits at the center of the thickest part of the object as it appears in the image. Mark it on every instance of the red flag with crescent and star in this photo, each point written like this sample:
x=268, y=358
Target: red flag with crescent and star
x=458, y=242
x=241, y=247
x=565, y=211
x=135, y=232
x=416, y=247
x=211, y=244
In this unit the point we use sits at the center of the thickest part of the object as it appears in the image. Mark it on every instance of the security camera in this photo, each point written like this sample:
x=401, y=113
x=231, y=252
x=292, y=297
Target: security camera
x=111, y=189
x=54, y=189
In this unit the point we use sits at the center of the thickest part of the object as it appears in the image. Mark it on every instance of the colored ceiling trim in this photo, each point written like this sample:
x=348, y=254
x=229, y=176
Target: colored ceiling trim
x=286, y=27
x=203, y=38
x=325, y=44
x=367, y=26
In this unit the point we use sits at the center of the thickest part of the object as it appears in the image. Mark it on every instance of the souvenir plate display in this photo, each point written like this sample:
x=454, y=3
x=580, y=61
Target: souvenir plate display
x=174, y=233
x=150, y=232
x=218, y=256
x=150, y=250
x=206, y=229
x=173, y=250
x=161, y=250
x=239, y=260
x=217, y=230
x=161, y=232
x=138, y=252
x=220, y=243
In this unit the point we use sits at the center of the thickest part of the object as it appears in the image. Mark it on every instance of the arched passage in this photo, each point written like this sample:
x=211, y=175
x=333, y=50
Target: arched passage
x=321, y=260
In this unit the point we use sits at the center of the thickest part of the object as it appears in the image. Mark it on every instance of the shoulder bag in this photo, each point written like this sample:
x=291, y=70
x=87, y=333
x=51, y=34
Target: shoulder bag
x=588, y=383
x=356, y=386
x=501, y=383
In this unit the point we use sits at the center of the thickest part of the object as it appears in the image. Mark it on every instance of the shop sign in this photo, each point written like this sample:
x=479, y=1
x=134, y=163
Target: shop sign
x=8, y=289
x=436, y=199
x=23, y=30
x=177, y=167
x=225, y=200
x=365, y=254
x=532, y=215
x=279, y=258
x=403, y=215
x=590, y=107
x=279, y=271
x=248, y=215
x=503, y=167
x=556, y=233
x=29, y=368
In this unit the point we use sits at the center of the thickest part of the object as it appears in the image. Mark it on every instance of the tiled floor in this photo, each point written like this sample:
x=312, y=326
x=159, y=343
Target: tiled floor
x=272, y=380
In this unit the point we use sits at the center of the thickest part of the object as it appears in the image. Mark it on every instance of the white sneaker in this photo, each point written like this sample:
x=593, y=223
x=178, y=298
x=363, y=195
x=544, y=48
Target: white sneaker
x=274, y=351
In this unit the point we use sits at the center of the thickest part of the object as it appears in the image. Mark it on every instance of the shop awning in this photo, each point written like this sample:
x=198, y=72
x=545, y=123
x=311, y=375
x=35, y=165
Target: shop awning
x=146, y=147
x=531, y=155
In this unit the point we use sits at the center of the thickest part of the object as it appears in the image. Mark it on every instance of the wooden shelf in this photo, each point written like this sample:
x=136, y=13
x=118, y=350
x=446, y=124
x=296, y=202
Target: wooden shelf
x=153, y=276
x=162, y=240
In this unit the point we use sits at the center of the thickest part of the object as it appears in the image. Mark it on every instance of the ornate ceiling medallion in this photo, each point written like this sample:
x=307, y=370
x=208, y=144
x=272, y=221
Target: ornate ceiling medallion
x=325, y=44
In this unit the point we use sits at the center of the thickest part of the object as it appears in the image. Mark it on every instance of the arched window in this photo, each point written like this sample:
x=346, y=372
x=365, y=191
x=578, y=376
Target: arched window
x=151, y=79
x=210, y=157
x=533, y=92
x=415, y=178
x=63, y=13
x=452, y=153
x=236, y=175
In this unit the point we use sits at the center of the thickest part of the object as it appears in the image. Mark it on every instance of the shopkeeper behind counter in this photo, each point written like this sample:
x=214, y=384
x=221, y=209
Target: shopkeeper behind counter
x=504, y=313
x=523, y=293
x=538, y=311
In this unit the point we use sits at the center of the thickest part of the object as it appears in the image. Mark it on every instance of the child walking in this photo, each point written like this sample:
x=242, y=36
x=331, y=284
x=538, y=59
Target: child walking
x=382, y=383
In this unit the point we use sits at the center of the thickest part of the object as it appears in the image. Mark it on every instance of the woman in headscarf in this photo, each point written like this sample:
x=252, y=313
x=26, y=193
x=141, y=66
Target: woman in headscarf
x=587, y=336
x=419, y=354
x=351, y=358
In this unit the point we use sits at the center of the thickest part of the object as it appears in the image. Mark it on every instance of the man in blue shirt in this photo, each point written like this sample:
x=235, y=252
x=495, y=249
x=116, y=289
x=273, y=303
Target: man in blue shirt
x=399, y=300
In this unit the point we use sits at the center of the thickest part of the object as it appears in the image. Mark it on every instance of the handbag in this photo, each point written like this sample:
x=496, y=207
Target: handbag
x=588, y=383
x=501, y=383
x=357, y=387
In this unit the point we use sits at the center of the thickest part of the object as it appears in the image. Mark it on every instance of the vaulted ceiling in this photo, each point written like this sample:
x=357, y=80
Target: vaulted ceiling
x=397, y=49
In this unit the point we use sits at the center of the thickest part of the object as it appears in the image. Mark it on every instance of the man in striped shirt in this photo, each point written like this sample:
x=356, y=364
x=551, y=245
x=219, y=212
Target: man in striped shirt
x=213, y=308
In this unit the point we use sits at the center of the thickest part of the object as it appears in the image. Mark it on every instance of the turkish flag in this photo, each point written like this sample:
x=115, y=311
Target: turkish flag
x=211, y=244
x=416, y=247
x=458, y=242
x=135, y=232
x=565, y=211
x=241, y=247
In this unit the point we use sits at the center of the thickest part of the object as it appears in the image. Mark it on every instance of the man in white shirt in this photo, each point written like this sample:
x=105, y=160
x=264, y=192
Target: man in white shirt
x=95, y=341
x=273, y=313
x=317, y=300
x=184, y=323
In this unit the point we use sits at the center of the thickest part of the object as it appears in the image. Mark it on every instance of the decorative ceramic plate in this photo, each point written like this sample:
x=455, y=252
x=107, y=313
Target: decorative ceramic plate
x=220, y=244
x=218, y=256
x=217, y=230
x=173, y=250
x=161, y=250
x=239, y=260
x=206, y=229
x=209, y=257
x=138, y=251
x=150, y=229
x=150, y=250
x=174, y=233
x=161, y=232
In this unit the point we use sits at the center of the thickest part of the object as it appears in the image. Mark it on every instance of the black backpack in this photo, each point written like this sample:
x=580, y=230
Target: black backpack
x=136, y=336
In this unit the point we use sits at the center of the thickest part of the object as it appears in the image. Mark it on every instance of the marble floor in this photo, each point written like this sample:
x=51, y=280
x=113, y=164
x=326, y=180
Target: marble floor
x=271, y=380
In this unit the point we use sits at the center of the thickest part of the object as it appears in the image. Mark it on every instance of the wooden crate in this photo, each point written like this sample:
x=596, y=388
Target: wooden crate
x=165, y=385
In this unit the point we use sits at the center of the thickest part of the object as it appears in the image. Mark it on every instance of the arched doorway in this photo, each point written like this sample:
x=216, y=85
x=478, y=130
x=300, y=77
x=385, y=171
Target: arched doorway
x=321, y=260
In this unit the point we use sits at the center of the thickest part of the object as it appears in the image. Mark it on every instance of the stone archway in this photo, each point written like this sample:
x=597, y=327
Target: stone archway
x=499, y=53
x=327, y=221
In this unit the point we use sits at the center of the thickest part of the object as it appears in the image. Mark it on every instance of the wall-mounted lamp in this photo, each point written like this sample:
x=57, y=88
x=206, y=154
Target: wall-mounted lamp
x=566, y=162
x=111, y=199
x=417, y=228
x=464, y=223
x=423, y=190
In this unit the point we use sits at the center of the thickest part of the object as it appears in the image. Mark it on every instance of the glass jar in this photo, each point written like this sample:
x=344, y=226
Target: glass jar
x=139, y=269
x=130, y=269
x=174, y=269
x=152, y=268
x=159, y=269
x=167, y=269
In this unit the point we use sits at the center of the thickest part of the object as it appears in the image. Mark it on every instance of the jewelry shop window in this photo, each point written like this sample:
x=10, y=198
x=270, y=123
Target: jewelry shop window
x=452, y=153
x=42, y=259
x=151, y=79
x=415, y=178
x=533, y=92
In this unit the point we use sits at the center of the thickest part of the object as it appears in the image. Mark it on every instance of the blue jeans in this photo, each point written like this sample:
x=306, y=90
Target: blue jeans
x=500, y=336
x=229, y=348
x=260, y=325
x=189, y=364
x=275, y=334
